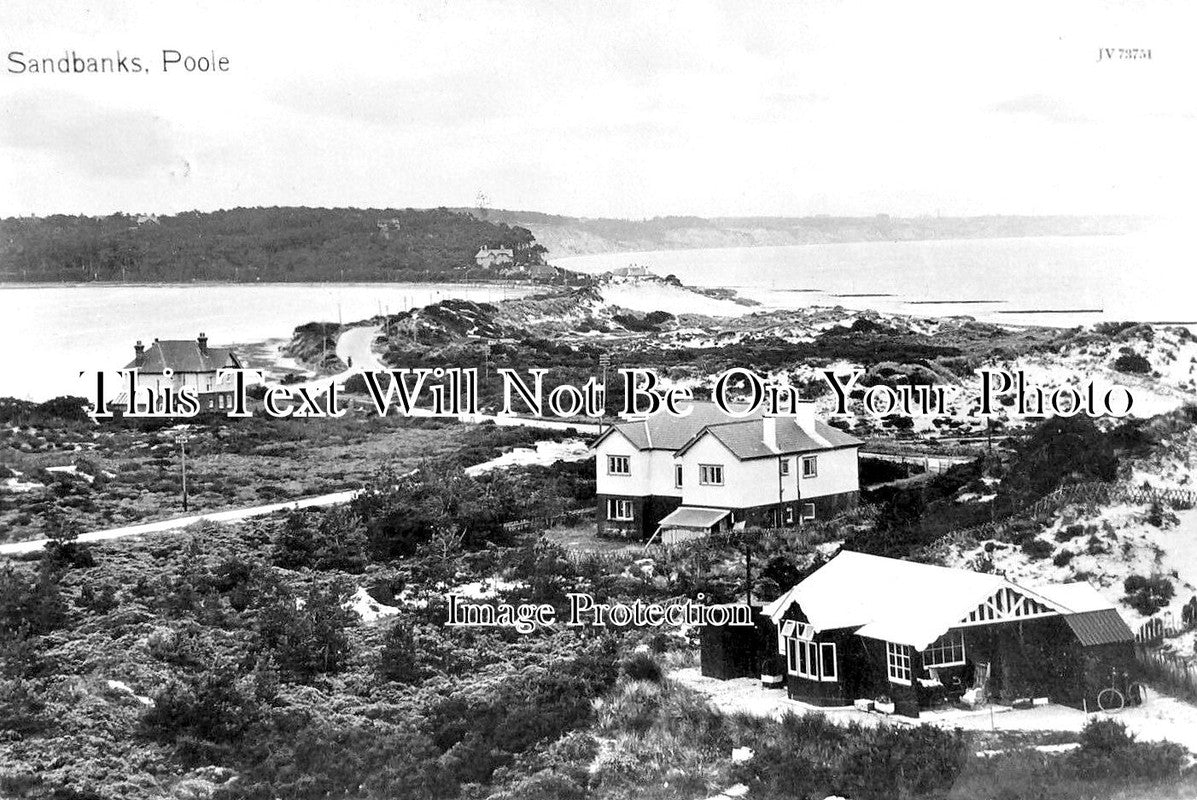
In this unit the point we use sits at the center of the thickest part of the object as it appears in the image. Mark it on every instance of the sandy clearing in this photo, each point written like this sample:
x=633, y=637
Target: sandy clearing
x=543, y=454
x=1162, y=717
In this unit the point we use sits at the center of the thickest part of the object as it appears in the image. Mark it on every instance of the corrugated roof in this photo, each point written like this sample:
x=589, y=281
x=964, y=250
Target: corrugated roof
x=693, y=517
x=184, y=356
x=1104, y=626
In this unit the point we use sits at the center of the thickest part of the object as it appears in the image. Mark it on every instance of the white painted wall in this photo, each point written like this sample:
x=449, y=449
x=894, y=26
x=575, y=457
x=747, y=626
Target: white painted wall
x=745, y=483
x=755, y=482
x=638, y=483
x=838, y=472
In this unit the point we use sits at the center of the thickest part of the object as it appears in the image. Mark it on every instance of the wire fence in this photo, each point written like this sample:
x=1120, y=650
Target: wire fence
x=1093, y=493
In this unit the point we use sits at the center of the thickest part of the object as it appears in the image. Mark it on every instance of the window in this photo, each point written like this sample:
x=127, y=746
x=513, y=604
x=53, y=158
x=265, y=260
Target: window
x=810, y=466
x=808, y=511
x=814, y=661
x=946, y=651
x=677, y=476
x=804, y=659
x=619, y=510
x=827, y=662
x=897, y=662
x=789, y=515
x=785, y=466
x=710, y=474
x=619, y=465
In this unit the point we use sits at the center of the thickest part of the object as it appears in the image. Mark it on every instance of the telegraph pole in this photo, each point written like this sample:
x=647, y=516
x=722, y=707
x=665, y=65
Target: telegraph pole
x=604, y=362
x=183, y=464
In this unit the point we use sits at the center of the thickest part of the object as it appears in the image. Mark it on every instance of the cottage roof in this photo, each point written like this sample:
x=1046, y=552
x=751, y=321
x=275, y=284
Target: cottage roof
x=1104, y=626
x=911, y=603
x=183, y=356
x=746, y=438
x=664, y=431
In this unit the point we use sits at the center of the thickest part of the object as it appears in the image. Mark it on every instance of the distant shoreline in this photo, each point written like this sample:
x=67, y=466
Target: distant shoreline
x=186, y=284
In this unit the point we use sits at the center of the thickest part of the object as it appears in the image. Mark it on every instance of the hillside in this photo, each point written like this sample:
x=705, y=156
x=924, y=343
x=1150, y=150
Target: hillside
x=254, y=244
x=565, y=236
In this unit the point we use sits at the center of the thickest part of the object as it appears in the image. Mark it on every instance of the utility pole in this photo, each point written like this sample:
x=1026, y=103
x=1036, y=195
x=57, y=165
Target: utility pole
x=781, y=503
x=183, y=464
x=604, y=362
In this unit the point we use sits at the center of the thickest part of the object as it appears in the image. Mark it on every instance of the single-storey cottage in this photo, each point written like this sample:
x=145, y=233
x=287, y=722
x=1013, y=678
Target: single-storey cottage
x=864, y=627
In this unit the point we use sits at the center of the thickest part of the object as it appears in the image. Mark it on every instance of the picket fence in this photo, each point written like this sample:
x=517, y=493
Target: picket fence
x=1174, y=671
x=573, y=515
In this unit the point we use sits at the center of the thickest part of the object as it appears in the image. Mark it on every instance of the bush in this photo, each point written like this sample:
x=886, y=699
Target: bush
x=641, y=667
x=1147, y=595
x=1038, y=548
x=1062, y=558
x=1132, y=362
x=210, y=707
x=1108, y=750
x=1069, y=532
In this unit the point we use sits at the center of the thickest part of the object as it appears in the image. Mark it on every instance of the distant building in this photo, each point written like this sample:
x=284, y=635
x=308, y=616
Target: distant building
x=494, y=257
x=631, y=271
x=543, y=272
x=388, y=226
x=191, y=363
x=681, y=478
x=148, y=219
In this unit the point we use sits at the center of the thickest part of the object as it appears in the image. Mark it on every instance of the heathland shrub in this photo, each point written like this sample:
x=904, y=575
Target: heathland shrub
x=641, y=667
x=1147, y=595
x=1132, y=362
x=1108, y=750
x=1069, y=532
x=1038, y=548
x=810, y=757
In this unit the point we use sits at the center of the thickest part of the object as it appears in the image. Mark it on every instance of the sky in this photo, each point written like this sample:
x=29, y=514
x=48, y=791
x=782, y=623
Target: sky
x=615, y=109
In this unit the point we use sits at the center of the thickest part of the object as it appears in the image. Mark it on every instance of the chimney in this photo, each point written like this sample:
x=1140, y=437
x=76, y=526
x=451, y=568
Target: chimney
x=202, y=339
x=769, y=432
x=804, y=415
x=138, y=353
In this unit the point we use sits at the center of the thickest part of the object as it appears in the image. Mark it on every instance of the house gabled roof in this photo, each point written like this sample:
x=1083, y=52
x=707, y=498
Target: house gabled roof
x=746, y=438
x=914, y=604
x=183, y=356
x=663, y=431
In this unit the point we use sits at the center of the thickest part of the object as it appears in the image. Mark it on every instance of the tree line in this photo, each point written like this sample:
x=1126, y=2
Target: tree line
x=255, y=244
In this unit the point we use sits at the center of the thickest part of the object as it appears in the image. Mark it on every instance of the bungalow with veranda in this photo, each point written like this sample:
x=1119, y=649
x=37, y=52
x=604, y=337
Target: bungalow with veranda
x=677, y=478
x=864, y=627
x=176, y=363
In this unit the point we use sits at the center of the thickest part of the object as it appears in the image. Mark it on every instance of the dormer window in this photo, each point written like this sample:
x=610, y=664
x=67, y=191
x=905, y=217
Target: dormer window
x=619, y=465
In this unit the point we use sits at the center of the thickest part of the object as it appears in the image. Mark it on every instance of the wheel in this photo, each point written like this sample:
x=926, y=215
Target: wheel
x=1110, y=701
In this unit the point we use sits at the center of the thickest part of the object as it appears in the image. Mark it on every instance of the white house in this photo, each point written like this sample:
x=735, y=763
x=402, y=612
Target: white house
x=494, y=256
x=191, y=362
x=685, y=477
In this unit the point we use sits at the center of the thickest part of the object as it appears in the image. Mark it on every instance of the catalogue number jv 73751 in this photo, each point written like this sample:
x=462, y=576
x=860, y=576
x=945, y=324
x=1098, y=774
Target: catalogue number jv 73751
x=1124, y=54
